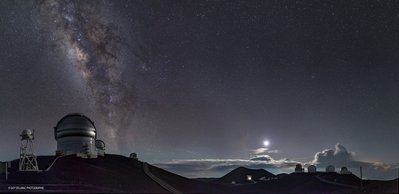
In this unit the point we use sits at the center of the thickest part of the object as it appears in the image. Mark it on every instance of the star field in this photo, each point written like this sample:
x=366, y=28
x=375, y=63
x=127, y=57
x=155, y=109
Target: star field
x=204, y=79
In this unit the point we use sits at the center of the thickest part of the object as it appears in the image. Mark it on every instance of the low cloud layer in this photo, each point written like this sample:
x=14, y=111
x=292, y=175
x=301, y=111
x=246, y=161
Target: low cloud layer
x=219, y=167
x=261, y=151
x=339, y=157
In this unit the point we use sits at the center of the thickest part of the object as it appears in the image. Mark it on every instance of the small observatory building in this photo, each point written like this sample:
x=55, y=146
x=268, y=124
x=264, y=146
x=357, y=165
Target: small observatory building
x=344, y=170
x=330, y=168
x=312, y=169
x=298, y=168
x=76, y=133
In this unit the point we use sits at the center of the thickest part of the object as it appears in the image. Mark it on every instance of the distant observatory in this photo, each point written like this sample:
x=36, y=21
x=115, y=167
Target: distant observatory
x=344, y=170
x=100, y=146
x=76, y=134
x=312, y=169
x=330, y=168
x=298, y=168
x=134, y=156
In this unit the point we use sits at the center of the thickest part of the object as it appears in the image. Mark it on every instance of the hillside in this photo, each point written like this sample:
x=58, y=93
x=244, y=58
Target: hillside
x=112, y=173
x=239, y=176
x=120, y=174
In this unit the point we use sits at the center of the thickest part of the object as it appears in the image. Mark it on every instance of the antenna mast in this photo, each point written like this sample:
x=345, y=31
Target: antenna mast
x=27, y=159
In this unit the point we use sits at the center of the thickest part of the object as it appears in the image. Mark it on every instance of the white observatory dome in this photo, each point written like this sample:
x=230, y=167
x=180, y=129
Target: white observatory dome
x=75, y=133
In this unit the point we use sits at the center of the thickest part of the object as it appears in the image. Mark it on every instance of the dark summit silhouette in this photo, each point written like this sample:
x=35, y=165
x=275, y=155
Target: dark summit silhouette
x=80, y=165
x=116, y=174
x=109, y=174
x=239, y=176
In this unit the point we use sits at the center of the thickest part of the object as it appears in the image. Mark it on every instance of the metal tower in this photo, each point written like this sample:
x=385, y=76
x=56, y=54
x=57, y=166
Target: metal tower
x=27, y=159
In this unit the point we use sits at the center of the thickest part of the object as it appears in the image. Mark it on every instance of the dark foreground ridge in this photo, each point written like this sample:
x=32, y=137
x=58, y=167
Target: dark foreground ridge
x=120, y=174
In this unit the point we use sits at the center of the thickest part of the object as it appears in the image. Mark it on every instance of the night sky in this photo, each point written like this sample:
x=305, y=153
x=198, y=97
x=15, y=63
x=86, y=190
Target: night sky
x=195, y=87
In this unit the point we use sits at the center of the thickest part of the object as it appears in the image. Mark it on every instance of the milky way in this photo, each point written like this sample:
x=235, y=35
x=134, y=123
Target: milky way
x=205, y=79
x=93, y=45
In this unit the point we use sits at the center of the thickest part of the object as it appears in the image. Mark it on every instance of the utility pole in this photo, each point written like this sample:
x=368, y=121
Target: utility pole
x=361, y=179
x=6, y=171
x=8, y=164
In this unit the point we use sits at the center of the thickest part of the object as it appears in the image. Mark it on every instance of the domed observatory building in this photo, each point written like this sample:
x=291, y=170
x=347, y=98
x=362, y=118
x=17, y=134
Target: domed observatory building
x=344, y=170
x=298, y=168
x=330, y=168
x=312, y=169
x=76, y=134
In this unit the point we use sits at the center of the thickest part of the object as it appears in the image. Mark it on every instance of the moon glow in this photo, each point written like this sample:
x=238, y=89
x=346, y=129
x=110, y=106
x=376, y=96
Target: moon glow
x=266, y=143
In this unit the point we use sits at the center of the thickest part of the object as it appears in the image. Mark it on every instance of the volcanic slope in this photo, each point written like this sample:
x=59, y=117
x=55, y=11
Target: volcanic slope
x=239, y=175
x=120, y=174
x=109, y=174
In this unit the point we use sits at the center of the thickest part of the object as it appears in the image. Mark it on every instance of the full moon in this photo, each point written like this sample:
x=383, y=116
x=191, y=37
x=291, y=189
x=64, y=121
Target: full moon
x=266, y=143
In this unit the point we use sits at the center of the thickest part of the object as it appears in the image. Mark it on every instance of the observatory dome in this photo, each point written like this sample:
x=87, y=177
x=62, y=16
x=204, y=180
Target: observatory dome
x=100, y=144
x=298, y=168
x=344, y=170
x=330, y=168
x=75, y=133
x=312, y=169
x=75, y=124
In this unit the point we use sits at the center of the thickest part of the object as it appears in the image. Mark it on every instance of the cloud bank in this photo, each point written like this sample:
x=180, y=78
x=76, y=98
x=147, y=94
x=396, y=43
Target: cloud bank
x=218, y=167
x=261, y=151
x=339, y=157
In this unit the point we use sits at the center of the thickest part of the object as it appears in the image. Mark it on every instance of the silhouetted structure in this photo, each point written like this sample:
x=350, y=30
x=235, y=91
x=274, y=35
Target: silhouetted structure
x=344, y=170
x=100, y=146
x=312, y=169
x=27, y=159
x=134, y=156
x=330, y=168
x=298, y=168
